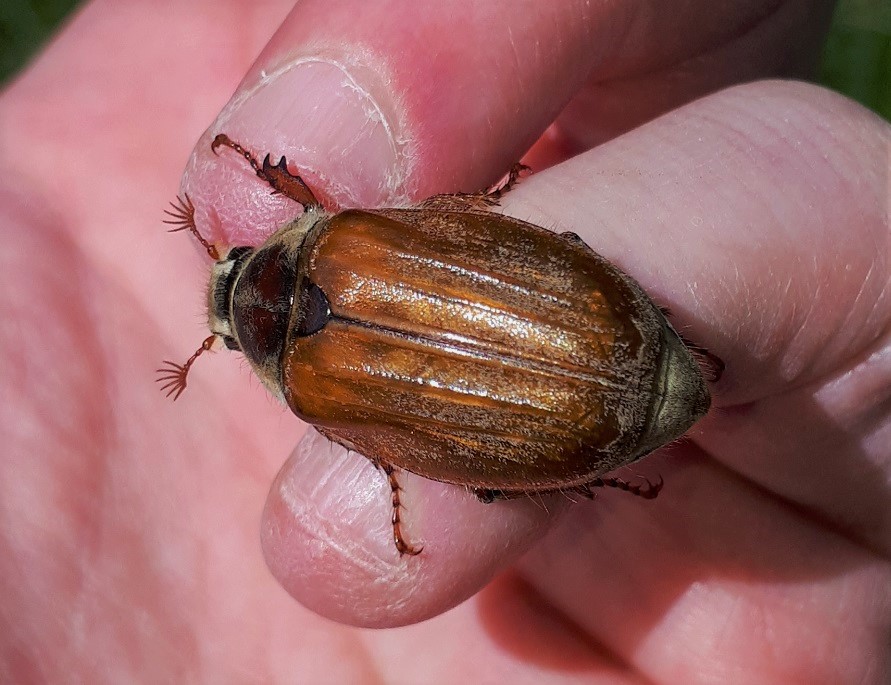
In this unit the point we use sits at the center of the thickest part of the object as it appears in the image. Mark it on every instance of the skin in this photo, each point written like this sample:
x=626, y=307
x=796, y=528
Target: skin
x=133, y=531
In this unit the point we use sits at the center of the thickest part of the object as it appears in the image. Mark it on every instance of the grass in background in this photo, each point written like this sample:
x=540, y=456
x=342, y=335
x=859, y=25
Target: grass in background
x=856, y=61
x=857, y=56
x=25, y=25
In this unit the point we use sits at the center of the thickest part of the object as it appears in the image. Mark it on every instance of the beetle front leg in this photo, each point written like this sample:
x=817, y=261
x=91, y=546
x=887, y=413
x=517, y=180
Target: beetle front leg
x=276, y=175
x=475, y=202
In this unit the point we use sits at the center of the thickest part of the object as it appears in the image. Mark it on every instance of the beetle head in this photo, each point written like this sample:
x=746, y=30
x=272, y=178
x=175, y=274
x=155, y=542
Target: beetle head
x=223, y=277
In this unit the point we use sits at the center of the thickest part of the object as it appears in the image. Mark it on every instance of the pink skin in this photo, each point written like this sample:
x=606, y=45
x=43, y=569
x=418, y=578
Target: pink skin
x=129, y=545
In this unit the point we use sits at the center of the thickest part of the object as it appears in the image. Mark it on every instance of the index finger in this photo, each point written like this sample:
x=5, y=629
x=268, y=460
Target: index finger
x=380, y=103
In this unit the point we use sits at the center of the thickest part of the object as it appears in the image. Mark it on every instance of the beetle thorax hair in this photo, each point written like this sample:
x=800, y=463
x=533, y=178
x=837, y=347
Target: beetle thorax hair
x=221, y=277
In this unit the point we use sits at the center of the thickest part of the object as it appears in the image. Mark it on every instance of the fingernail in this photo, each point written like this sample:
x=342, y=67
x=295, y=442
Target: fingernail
x=335, y=121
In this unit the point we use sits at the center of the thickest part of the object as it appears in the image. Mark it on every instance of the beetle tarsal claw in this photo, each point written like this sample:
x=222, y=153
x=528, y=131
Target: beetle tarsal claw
x=404, y=548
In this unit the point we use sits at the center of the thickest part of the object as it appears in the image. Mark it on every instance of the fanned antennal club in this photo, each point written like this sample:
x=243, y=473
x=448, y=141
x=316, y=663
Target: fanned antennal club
x=172, y=376
x=182, y=218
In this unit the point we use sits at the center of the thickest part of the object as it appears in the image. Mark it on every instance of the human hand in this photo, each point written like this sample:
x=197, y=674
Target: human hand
x=757, y=215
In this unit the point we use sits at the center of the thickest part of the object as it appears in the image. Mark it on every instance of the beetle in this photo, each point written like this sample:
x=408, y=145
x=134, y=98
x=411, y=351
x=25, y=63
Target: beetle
x=452, y=341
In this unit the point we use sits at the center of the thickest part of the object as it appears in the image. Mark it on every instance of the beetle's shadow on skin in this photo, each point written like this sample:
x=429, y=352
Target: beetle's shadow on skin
x=628, y=562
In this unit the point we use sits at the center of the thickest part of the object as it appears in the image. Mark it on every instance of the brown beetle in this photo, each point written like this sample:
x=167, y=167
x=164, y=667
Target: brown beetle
x=453, y=342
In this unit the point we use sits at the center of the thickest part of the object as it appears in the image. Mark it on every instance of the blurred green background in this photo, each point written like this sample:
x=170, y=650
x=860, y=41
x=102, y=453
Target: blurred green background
x=856, y=61
x=25, y=25
x=857, y=56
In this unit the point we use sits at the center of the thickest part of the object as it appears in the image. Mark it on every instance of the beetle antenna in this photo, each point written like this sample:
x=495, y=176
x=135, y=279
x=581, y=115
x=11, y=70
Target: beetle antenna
x=173, y=375
x=182, y=218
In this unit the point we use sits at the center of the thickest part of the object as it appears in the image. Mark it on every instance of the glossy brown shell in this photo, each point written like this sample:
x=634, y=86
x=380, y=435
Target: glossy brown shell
x=473, y=348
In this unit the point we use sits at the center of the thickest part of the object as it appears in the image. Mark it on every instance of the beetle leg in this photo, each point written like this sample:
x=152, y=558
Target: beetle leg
x=488, y=496
x=475, y=202
x=495, y=193
x=647, y=490
x=276, y=175
x=402, y=546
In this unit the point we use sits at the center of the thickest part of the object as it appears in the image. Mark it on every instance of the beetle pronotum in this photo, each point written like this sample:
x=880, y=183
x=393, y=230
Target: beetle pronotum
x=452, y=341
